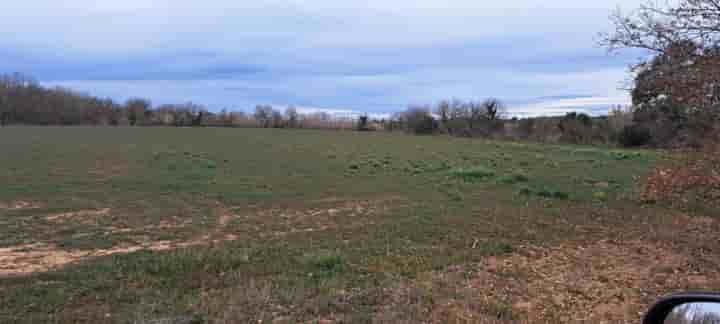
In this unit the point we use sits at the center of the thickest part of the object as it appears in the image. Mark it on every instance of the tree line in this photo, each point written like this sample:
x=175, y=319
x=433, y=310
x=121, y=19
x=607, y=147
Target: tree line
x=23, y=101
x=675, y=97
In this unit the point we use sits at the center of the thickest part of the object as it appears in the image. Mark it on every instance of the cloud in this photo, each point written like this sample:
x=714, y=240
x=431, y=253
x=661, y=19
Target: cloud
x=373, y=56
x=593, y=106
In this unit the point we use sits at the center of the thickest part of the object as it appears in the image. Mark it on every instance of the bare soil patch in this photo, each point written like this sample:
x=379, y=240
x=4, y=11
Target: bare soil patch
x=604, y=281
x=19, y=205
x=40, y=257
x=83, y=216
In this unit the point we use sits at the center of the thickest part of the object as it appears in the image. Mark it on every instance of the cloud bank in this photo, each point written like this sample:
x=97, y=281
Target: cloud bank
x=368, y=56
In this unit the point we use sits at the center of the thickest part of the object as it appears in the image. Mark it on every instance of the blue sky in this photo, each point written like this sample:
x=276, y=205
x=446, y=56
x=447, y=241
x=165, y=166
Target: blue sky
x=373, y=56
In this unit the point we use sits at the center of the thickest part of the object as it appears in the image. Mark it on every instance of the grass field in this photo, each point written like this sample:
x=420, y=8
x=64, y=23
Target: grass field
x=195, y=225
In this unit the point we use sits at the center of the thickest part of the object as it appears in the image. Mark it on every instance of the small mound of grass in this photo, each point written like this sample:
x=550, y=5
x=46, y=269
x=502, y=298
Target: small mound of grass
x=495, y=248
x=513, y=178
x=552, y=193
x=326, y=266
x=600, y=196
x=477, y=173
x=545, y=192
x=420, y=167
x=525, y=190
x=621, y=155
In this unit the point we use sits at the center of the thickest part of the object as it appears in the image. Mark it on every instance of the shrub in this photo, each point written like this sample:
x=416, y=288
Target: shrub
x=513, y=178
x=526, y=127
x=552, y=193
x=691, y=182
x=420, y=121
x=327, y=266
x=525, y=190
x=635, y=135
x=363, y=123
x=600, y=195
x=472, y=174
x=576, y=128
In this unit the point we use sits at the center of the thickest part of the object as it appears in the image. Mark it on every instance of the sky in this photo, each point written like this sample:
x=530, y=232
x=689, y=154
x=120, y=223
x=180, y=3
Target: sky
x=370, y=56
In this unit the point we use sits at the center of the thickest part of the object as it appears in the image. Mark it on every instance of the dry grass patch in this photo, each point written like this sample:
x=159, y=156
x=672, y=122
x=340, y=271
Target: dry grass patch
x=19, y=205
x=40, y=257
x=83, y=216
x=605, y=281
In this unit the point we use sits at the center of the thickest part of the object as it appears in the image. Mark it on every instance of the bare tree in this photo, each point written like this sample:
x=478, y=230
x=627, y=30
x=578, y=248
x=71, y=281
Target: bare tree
x=292, y=116
x=418, y=120
x=277, y=119
x=656, y=27
x=494, y=109
x=475, y=113
x=137, y=109
x=263, y=115
x=443, y=111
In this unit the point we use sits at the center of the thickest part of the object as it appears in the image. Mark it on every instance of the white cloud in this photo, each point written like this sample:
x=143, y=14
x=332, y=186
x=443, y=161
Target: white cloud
x=591, y=105
x=366, y=55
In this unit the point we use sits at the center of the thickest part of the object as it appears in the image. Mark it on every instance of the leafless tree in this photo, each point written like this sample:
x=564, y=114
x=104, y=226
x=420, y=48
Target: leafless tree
x=419, y=120
x=137, y=110
x=292, y=116
x=277, y=119
x=263, y=115
x=443, y=111
x=494, y=109
x=656, y=27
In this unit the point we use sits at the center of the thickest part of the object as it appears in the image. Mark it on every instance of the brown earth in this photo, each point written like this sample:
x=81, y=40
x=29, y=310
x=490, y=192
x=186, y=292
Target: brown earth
x=602, y=281
x=39, y=257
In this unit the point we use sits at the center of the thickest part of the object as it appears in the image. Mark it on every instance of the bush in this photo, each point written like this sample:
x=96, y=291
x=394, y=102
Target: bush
x=526, y=127
x=363, y=123
x=327, y=266
x=473, y=174
x=420, y=121
x=576, y=128
x=513, y=178
x=692, y=182
x=635, y=135
x=552, y=193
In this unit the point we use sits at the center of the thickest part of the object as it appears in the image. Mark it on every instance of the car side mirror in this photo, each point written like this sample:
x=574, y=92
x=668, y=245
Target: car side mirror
x=686, y=308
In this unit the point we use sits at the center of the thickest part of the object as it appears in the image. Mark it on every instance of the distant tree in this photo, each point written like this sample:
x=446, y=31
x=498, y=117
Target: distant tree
x=363, y=123
x=443, y=111
x=224, y=118
x=476, y=113
x=263, y=115
x=4, y=108
x=494, y=109
x=198, y=119
x=526, y=127
x=137, y=110
x=277, y=119
x=292, y=116
x=576, y=128
x=418, y=120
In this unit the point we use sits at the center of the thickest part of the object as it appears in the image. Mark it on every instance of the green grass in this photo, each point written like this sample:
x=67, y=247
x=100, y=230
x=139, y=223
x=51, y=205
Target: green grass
x=387, y=207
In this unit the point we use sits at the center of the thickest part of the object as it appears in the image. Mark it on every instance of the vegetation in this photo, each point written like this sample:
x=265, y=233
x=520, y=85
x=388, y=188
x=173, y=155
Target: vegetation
x=24, y=102
x=169, y=223
x=675, y=92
